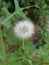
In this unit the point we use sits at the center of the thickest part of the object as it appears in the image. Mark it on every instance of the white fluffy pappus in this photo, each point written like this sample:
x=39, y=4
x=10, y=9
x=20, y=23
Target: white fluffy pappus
x=24, y=29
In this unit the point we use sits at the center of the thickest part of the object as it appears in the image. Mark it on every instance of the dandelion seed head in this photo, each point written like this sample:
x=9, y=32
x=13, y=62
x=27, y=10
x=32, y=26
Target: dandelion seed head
x=24, y=29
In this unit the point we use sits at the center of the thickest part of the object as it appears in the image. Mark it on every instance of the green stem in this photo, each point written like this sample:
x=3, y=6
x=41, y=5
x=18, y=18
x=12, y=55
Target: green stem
x=15, y=59
x=16, y=13
x=2, y=43
x=23, y=44
x=41, y=62
x=33, y=60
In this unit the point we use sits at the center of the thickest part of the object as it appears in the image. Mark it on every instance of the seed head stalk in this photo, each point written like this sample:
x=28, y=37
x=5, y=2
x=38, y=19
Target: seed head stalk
x=23, y=44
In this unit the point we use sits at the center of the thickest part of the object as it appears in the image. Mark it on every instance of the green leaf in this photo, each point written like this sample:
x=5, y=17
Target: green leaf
x=17, y=7
x=20, y=10
x=22, y=15
x=9, y=35
x=29, y=49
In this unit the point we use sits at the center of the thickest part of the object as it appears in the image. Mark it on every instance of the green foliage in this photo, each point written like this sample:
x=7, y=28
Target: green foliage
x=36, y=10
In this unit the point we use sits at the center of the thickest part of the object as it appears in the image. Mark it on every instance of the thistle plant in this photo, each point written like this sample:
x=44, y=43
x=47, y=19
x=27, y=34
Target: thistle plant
x=18, y=19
